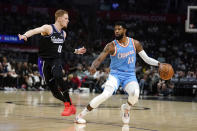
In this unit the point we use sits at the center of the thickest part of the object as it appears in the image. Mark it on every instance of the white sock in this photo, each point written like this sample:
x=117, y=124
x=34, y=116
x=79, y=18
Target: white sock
x=83, y=113
x=127, y=106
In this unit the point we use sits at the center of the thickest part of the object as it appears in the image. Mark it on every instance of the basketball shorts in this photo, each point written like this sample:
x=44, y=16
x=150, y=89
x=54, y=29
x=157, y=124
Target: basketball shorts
x=120, y=79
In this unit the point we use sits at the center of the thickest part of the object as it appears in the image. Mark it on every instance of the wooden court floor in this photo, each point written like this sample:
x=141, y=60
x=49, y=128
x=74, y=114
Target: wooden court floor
x=40, y=111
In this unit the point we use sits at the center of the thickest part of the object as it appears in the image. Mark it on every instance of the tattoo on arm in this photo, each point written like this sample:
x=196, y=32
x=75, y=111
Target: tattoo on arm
x=102, y=56
x=106, y=49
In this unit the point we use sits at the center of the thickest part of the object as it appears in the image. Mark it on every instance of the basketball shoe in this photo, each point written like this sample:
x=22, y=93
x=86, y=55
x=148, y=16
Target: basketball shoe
x=79, y=120
x=80, y=127
x=125, y=114
x=73, y=109
x=68, y=110
x=125, y=128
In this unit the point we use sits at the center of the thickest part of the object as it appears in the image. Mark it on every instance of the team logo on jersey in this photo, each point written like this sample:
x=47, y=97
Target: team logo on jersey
x=124, y=55
x=56, y=40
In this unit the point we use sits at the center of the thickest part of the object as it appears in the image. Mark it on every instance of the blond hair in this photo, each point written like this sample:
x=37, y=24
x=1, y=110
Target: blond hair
x=60, y=13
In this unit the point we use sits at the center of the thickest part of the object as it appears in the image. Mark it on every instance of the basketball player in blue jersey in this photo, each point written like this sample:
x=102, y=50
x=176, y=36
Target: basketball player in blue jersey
x=122, y=52
x=50, y=64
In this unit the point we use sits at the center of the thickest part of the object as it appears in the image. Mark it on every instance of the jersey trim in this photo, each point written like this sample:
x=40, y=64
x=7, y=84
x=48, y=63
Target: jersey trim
x=115, y=49
x=123, y=45
x=133, y=44
x=63, y=34
x=56, y=29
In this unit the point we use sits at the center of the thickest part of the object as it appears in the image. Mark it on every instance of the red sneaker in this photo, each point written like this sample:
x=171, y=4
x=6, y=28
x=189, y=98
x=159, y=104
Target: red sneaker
x=68, y=110
x=73, y=109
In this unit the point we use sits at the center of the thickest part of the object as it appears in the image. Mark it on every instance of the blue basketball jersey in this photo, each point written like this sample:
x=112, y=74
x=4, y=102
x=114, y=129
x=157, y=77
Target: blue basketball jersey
x=122, y=65
x=124, y=58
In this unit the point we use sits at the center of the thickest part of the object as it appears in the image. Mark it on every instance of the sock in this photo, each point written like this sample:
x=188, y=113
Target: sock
x=83, y=113
x=127, y=106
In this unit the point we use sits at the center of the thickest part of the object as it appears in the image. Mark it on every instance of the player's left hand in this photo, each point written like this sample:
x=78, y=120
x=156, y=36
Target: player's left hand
x=80, y=50
x=22, y=37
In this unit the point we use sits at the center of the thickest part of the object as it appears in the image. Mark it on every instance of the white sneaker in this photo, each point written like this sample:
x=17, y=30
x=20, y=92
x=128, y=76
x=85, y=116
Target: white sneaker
x=80, y=127
x=80, y=120
x=125, y=128
x=125, y=114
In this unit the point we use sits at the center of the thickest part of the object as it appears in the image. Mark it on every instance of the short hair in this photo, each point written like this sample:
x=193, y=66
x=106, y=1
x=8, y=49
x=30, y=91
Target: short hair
x=121, y=23
x=60, y=13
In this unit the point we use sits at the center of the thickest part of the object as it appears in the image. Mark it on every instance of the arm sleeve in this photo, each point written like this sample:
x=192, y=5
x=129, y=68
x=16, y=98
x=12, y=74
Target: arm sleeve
x=147, y=59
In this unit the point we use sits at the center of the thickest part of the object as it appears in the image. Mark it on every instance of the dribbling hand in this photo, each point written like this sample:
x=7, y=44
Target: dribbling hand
x=22, y=37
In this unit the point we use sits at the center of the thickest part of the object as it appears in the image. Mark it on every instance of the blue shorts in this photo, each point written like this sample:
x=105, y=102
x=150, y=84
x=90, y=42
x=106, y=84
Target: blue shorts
x=121, y=78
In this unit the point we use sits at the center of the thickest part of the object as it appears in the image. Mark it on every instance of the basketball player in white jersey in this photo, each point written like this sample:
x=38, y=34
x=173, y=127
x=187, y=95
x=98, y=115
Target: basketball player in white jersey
x=122, y=52
x=50, y=63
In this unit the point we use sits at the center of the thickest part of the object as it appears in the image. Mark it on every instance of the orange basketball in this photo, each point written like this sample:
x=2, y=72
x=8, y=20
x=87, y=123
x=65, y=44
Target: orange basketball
x=166, y=71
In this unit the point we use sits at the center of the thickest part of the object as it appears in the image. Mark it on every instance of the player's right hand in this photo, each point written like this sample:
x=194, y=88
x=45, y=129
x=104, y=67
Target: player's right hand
x=22, y=37
x=92, y=70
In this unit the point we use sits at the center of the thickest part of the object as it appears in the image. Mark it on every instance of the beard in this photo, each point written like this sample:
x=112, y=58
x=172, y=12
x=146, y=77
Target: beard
x=119, y=37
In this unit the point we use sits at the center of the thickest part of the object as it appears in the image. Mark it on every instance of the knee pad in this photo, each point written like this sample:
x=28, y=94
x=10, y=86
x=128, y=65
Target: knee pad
x=132, y=89
x=108, y=91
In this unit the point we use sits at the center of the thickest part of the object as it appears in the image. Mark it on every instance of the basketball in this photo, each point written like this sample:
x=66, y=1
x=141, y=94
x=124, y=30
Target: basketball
x=166, y=71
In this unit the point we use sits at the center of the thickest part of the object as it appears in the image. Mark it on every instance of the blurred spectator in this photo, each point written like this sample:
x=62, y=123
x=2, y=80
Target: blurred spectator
x=73, y=82
x=165, y=87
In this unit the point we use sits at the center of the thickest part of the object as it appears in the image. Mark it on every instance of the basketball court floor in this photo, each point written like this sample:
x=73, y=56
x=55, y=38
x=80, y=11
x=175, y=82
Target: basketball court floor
x=40, y=111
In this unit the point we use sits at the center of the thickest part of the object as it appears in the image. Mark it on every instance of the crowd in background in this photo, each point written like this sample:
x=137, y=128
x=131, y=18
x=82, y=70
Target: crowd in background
x=163, y=41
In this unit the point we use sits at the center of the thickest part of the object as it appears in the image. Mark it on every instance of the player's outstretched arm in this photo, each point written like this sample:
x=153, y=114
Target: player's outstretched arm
x=143, y=55
x=45, y=29
x=80, y=50
x=109, y=49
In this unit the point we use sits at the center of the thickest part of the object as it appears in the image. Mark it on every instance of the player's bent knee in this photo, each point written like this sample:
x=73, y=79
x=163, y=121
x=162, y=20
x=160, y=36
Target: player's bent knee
x=133, y=91
x=133, y=100
x=57, y=72
x=133, y=97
